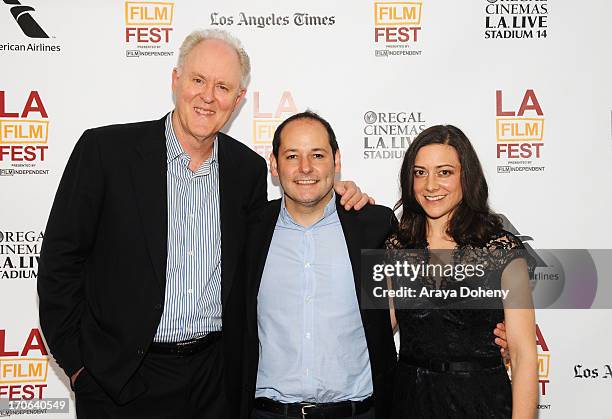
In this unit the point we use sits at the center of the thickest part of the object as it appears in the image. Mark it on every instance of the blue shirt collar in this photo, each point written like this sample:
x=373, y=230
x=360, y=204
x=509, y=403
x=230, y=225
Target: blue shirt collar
x=286, y=219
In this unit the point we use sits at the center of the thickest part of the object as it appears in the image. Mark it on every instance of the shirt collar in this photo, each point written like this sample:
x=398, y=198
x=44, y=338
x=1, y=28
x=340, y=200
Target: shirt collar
x=329, y=210
x=174, y=148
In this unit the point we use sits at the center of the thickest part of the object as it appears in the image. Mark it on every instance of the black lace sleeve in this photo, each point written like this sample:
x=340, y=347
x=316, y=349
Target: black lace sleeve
x=393, y=243
x=505, y=247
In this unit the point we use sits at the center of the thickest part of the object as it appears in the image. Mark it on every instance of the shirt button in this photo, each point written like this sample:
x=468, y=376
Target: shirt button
x=307, y=335
x=190, y=253
x=158, y=306
x=191, y=215
x=308, y=299
x=140, y=352
x=188, y=329
x=189, y=291
x=307, y=265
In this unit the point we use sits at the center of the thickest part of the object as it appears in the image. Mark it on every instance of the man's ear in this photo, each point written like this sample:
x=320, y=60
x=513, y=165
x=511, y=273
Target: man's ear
x=239, y=98
x=175, y=76
x=273, y=165
x=337, y=161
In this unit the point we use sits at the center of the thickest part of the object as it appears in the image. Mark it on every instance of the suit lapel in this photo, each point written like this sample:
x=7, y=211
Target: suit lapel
x=150, y=186
x=263, y=236
x=228, y=213
x=259, y=240
x=354, y=239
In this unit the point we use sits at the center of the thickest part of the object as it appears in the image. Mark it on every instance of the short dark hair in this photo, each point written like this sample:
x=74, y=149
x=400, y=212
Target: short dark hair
x=472, y=221
x=304, y=115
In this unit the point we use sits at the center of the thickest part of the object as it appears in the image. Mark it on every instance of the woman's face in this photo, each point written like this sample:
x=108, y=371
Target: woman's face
x=437, y=180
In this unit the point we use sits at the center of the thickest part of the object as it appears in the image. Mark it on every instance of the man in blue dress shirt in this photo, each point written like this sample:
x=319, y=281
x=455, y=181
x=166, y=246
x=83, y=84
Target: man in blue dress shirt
x=312, y=352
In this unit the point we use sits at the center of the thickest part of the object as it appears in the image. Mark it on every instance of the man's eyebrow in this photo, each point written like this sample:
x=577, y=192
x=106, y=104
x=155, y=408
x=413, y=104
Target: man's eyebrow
x=293, y=150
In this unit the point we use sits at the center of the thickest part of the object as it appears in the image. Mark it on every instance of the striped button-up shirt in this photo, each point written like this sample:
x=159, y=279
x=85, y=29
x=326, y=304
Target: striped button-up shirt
x=192, y=304
x=312, y=342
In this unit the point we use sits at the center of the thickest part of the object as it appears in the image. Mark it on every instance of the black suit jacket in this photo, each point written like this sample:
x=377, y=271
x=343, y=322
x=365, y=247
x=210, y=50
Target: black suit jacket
x=102, y=271
x=365, y=229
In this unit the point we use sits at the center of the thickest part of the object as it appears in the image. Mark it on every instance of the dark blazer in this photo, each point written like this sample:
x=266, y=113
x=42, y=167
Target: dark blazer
x=365, y=229
x=102, y=271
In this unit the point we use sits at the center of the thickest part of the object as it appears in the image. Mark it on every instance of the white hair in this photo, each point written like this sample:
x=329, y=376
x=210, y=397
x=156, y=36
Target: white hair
x=195, y=37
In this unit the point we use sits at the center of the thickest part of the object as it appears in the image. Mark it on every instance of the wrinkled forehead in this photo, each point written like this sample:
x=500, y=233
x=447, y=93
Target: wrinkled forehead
x=213, y=55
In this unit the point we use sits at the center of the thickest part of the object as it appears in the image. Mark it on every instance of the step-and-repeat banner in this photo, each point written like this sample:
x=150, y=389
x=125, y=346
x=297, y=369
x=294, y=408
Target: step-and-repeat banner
x=529, y=82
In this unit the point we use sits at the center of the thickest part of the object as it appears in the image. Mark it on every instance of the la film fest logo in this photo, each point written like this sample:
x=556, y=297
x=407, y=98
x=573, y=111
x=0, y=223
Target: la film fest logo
x=19, y=254
x=23, y=366
x=519, y=131
x=148, y=26
x=527, y=19
x=268, y=113
x=26, y=24
x=543, y=366
x=387, y=135
x=298, y=19
x=24, y=133
x=397, y=27
x=543, y=362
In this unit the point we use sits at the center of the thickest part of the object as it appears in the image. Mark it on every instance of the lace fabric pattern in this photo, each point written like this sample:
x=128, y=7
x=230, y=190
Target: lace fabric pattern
x=454, y=335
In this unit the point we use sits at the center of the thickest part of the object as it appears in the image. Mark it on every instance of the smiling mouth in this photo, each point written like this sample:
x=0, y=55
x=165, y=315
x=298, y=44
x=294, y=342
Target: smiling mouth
x=204, y=112
x=433, y=198
x=306, y=181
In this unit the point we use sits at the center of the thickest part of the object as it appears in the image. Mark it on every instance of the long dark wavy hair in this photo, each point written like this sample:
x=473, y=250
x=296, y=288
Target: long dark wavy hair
x=472, y=222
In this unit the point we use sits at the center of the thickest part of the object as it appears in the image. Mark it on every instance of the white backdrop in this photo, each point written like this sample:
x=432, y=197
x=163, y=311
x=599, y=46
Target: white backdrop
x=380, y=72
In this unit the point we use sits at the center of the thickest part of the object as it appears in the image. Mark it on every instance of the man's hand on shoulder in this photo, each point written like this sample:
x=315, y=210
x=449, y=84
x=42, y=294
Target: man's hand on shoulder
x=352, y=197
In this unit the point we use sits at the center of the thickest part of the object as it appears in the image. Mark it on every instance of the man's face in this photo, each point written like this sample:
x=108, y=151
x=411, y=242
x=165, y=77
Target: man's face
x=206, y=89
x=305, y=165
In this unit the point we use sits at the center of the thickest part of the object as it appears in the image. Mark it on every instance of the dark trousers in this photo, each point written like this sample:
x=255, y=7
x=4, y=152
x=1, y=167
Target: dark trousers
x=260, y=414
x=177, y=388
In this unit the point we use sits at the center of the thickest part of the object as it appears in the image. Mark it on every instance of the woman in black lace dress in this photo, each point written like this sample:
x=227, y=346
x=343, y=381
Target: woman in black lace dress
x=449, y=366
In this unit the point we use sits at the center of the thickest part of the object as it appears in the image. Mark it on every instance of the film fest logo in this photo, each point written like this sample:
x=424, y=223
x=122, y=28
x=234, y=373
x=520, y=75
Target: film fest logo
x=19, y=254
x=24, y=133
x=148, y=26
x=387, y=135
x=26, y=22
x=543, y=365
x=527, y=19
x=265, y=123
x=543, y=361
x=397, y=27
x=23, y=367
x=520, y=133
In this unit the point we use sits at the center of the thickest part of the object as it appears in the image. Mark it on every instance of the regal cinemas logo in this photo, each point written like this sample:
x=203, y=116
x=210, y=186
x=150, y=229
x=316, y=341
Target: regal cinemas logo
x=23, y=367
x=148, y=26
x=527, y=19
x=265, y=123
x=397, y=27
x=23, y=134
x=19, y=254
x=387, y=135
x=520, y=134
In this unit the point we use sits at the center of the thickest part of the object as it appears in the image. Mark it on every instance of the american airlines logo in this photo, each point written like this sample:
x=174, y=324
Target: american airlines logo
x=24, y=19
